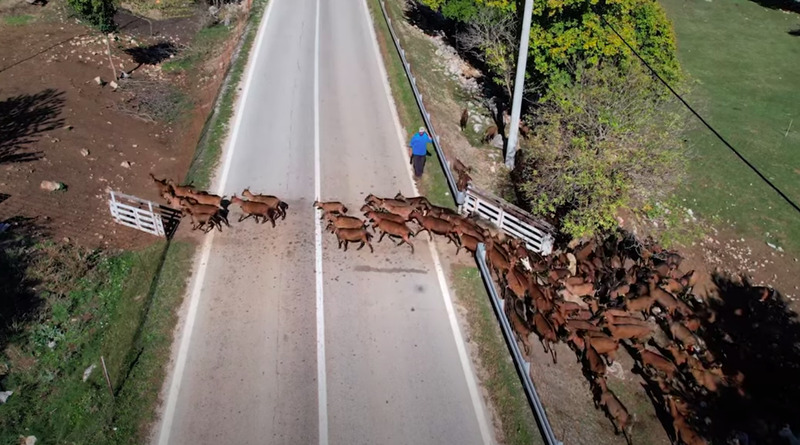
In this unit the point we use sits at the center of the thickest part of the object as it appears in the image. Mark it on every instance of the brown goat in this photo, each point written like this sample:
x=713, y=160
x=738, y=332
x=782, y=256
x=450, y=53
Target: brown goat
x=199, y=220
x=331, y=207
x=374, y=216
x=614, y=409
x=630, y=331
x=595, y=362
x=603, y=344
x=683, y=335
x=656, y=361
x=641, y=304
x=254, y=209
x=162, y=185
x=181, y=191
x=462, y=123
x=207, y=198
x=434, y=225
x=337, y=221
x=420, y=202
x=683, y=432
x=346, y=236
x=394, y=230
x=279, y=206
x=462, y=227
x=489, y=134
x=547, y=334
x=468, y=242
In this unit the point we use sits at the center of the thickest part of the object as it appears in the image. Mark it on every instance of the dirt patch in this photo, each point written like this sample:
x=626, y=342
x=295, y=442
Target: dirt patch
x=58, y=124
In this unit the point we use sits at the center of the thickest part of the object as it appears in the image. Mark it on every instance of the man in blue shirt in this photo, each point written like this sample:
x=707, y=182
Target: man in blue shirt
x=419, y=150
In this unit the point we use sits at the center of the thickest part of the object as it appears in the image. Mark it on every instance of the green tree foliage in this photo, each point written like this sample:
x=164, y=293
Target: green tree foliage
x=567, y=33
x=99, y=13
x=603, y=142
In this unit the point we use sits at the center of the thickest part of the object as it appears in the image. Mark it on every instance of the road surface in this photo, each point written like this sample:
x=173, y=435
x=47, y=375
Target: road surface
x=289, y=340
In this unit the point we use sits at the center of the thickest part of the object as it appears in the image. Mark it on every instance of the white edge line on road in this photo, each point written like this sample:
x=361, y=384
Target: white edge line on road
x=466, y=364
x=199, y=278
x=322, y=380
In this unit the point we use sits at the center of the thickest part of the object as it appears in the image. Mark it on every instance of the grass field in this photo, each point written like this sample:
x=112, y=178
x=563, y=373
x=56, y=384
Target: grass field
x=743, y=63
x=85, y=305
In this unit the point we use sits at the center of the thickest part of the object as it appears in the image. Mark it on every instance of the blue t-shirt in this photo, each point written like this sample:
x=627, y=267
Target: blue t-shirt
x=419, y=144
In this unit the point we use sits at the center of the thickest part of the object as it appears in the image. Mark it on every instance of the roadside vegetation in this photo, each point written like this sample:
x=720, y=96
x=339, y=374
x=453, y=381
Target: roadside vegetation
x=64, y=308
x=433, y=183
x=604, y=136
x=497, y=373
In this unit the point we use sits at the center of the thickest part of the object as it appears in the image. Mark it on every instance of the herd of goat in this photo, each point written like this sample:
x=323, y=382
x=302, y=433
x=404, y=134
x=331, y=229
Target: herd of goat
x=604, y=295
x=596, y=298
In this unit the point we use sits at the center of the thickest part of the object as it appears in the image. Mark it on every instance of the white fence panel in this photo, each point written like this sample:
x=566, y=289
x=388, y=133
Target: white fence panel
x=514, y=222
x=139, y=214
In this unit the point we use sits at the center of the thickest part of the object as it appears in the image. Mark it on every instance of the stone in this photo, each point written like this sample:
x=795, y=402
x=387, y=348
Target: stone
x=30, y=440
x=4, y=395
x=84, y=152
x=88, y=372
x=113, y=85
x=52, y=186
x=125, y=164
x=99, y=81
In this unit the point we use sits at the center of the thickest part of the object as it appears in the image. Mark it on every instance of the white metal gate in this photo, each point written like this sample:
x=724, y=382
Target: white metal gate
x=511, y=220
x=139, y=214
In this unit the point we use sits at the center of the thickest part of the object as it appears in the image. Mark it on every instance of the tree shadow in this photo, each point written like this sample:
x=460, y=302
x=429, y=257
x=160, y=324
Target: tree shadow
x=152, y=54
x=756, y=334
x=795, y=32
x=19, y=302
x=783, y=5
x=23, y=118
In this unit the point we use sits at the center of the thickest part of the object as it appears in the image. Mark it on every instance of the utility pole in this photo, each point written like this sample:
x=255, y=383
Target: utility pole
x=519, y=85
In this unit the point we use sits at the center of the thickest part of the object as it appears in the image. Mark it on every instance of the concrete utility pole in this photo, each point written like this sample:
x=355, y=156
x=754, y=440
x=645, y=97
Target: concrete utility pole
x=519, y=84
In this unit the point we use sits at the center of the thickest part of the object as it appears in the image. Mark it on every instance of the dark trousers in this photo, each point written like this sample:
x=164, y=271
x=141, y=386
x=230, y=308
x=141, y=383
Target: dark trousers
x=419, y=164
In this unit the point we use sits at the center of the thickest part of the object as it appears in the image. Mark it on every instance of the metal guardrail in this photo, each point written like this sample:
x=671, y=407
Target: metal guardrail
x=451, y=182
x=523, y=367
x=510, y=219
x=513, y=221
x=140, y=214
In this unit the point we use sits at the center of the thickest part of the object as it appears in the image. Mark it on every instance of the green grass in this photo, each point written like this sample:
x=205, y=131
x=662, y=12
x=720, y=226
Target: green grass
x=216, y=129
x=500, y=377
x=744, y=65
x=433, y=183
x=17, y=20
x=93, y=305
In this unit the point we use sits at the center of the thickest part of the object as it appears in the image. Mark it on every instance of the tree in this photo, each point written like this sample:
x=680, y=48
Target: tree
x=607, y=140
x=492, y=36
x=567, y=33
x=99, y=13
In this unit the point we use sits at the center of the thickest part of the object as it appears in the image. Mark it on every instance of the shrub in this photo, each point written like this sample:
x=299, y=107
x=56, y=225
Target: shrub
x=606, y=141
x=99, y=13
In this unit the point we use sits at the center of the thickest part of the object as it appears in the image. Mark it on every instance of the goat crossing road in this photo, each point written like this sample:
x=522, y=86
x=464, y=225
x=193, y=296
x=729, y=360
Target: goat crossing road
x=252, y=366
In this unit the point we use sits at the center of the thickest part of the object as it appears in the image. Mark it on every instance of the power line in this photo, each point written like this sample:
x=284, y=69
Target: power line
x=716, y=133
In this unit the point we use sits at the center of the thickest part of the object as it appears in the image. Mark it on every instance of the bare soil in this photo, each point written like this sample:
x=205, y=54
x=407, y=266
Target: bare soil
x=52, y=112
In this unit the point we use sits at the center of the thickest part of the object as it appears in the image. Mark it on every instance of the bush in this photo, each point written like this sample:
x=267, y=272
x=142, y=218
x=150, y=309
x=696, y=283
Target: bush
x=607, y=141
x=99, y=13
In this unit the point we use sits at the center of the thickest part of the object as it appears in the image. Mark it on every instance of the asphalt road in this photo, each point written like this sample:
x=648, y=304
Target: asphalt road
x=275, y=352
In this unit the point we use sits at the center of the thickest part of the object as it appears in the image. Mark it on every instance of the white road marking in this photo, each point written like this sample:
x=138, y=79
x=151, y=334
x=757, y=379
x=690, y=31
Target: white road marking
x=322, y=383
x=466, y=364
x=199, y=278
